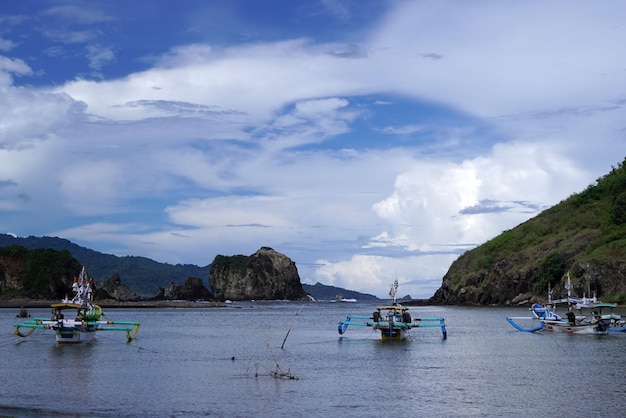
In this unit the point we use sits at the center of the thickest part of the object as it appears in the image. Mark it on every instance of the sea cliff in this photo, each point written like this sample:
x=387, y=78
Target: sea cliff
x=265, y=275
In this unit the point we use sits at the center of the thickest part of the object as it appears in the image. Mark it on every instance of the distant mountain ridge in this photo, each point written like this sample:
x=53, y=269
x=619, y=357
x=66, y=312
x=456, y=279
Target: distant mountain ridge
x=324, y=292
x=145, y=276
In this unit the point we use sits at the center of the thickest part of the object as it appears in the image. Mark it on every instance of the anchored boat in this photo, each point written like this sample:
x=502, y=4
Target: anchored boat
x=77, y=320
x=393, y=321
x=583, y=316
x=340, y=298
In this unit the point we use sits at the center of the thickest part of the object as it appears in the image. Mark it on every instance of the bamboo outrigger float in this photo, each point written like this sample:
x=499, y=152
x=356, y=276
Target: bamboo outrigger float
x=393, y=321
x=86, y=317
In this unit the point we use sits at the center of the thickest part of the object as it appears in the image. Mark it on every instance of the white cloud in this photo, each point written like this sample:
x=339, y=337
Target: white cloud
x=6, y=44
x=500, y=59
x=15, y=66
x=336, y=8
x=402, y=130
x=99, y=56
x=256, y=80
x=30, y=115
x=418, y=277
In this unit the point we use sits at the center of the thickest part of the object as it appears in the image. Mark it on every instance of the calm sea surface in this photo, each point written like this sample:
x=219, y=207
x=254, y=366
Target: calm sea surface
x=218, y=362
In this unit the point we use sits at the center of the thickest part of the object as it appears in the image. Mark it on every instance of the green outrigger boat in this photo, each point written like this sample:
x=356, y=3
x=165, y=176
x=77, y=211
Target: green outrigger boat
x=78, y=319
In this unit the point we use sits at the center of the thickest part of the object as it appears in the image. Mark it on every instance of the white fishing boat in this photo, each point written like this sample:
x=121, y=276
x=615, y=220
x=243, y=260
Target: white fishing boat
x=78, y=319
x=583, y=316
x=393, y=321
x=340, y=298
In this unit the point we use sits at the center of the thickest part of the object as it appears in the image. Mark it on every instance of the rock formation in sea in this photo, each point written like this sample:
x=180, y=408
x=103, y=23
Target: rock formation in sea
x=192, y=289
x=265, y=275
x=114, y=289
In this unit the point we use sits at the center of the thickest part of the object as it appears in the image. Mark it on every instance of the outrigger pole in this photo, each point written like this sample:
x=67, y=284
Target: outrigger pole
x=510, y=320
x=393, y=321
x=367, y=321
x=43, y=323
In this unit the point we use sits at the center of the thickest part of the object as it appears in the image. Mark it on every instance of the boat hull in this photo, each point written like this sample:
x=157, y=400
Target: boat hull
x=392, y=334
x=598, y=328
x=70, y=335
x=602, y=327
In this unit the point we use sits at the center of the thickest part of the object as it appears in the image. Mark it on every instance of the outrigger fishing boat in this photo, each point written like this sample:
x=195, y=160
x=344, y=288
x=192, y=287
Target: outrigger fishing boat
x=85, y=318
x=393, y=321
x=589, y=318
x=340, y=298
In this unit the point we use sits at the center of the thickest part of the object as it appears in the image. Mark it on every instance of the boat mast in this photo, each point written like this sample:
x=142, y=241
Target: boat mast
x=394, y=291
x=568, y=286
x=549, y=294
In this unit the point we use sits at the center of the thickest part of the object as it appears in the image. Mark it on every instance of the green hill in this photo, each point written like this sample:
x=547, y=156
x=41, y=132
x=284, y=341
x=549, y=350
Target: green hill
x=584, y=234
x=143, y=275
x=37, y=274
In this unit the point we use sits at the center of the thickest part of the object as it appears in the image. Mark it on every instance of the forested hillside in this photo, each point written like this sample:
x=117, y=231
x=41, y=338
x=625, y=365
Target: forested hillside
x=142, y=275
x=584, y=234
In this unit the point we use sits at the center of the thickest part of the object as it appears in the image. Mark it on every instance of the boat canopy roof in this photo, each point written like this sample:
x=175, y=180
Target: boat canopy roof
x=68, y=305
x=392, y=308
x=595, y=305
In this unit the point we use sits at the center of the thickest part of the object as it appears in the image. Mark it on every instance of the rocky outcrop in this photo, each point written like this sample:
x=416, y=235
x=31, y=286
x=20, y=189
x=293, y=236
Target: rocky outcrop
x=601, y=279
x=114, y=289
x=265, y=275
x=506, y=285
x=192, y=289
x=12, y=273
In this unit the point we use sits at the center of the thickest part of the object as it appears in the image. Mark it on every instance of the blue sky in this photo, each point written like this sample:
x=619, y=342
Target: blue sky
x=365, y=140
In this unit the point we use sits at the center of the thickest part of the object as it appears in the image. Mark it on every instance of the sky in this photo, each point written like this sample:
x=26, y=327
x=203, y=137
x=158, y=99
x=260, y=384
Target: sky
x=367, y=140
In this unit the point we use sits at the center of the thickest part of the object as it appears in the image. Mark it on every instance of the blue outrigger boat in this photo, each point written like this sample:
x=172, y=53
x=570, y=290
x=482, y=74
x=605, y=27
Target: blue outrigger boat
x=584, y=316
x=393, y=321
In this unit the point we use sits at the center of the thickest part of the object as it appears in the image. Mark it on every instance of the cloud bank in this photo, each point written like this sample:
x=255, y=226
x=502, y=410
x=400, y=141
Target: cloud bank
x=363, y=158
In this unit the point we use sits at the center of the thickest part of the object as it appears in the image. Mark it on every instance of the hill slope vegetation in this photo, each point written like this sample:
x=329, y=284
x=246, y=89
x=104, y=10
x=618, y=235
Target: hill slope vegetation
x=584, y=234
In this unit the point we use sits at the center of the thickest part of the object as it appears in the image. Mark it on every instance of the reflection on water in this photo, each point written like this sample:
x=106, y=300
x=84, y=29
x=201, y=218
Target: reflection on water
x=191, y=362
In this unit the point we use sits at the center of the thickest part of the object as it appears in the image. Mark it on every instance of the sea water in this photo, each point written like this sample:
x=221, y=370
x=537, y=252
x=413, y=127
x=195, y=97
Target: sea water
x=286, y=359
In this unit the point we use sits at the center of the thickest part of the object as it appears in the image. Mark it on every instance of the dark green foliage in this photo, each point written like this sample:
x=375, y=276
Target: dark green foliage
x=14, y=251
x=44, y=265
x=618, y=208
x=236, y=262
x=609, y=193
x=143, y=275
x=551, y=271
x=42, y=273
x=619, y=298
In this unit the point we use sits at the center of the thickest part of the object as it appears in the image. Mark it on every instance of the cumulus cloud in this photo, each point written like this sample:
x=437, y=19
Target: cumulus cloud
x=14, y=66
x=31, y=116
